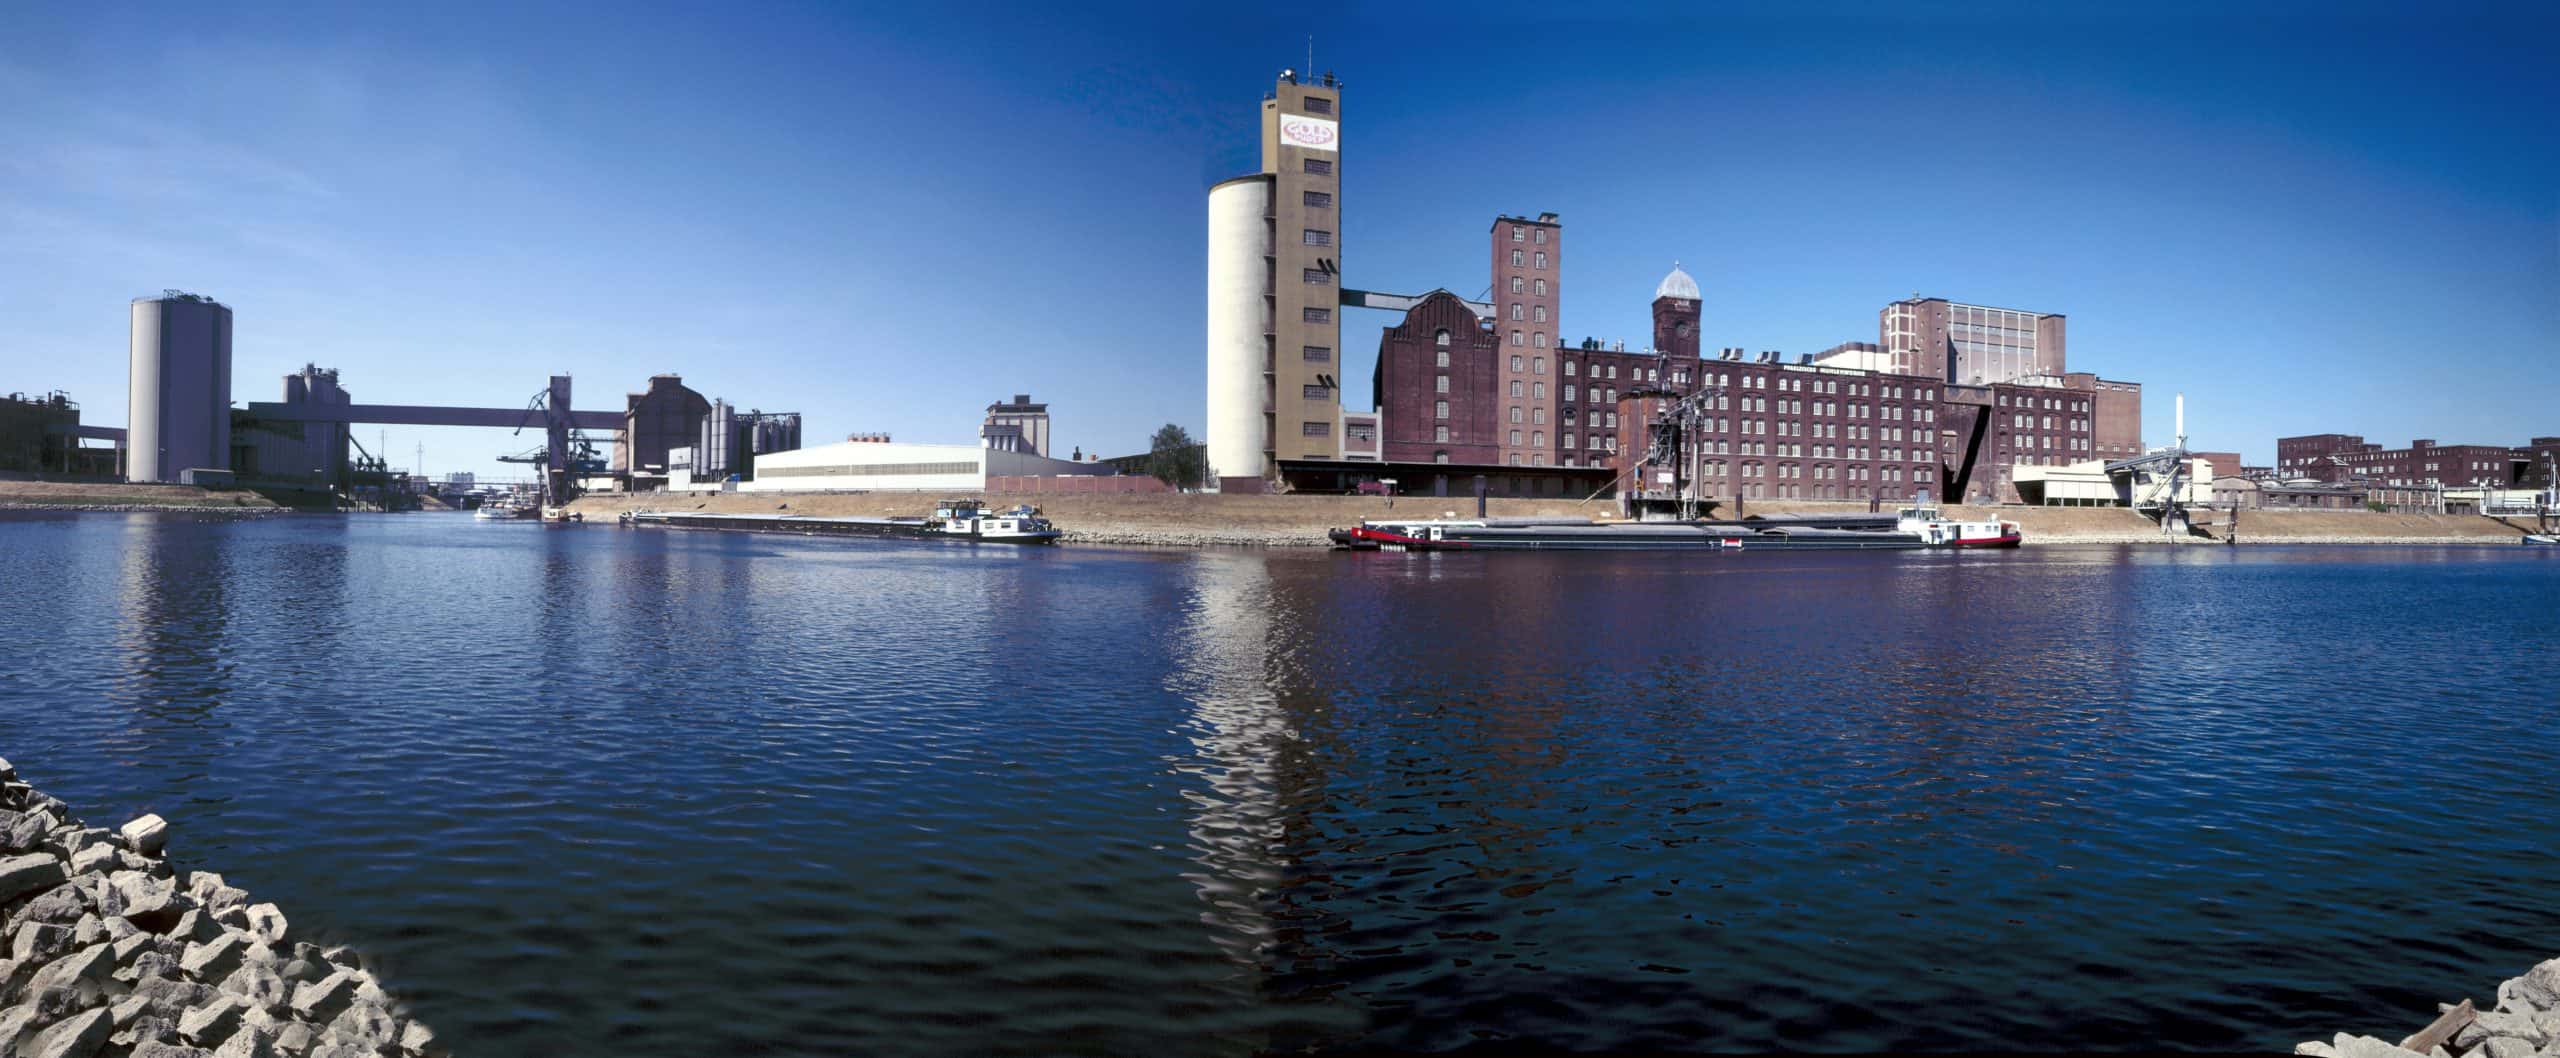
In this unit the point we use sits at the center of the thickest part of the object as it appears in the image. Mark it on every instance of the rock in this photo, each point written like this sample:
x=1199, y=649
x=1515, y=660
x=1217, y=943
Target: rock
x=2368, y=1047
x=174, y=993
x=266, y=922
x=415, y=1038
x=261, y=986
x=29, y=832
x=91, y=968
x=214, y=960
x=303, y=970
x=2540, y=987
x=76, y=1037
x=2507, y=1047
x=15, y=1021
x=131, y=946
x=157, y=1049
x=147, y=835
x=194, y=925
x=2315, y=1048
x=153, y=1027
x=25, y=875
x=295, y=1038
x=94, y=859
x=152, y=964
x=129, y=1009
x=246, y=1043
x=322, y=1000
x=212, y=1022
x=89, y=930
x=2489, y=1024
x=62, y=905
x=119, y=929
x=367, y=1023
x=39, y=942
x=7, y=770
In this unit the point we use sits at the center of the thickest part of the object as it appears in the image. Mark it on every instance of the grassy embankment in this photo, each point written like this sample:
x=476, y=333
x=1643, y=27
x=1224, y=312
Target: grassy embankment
x=117, y=496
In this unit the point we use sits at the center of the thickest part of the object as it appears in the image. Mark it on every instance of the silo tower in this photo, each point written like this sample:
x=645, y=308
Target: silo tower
x=178, y=403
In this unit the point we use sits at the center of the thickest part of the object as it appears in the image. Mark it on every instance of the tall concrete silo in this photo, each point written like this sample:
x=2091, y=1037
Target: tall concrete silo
x=178, y=403
x=1239, y=347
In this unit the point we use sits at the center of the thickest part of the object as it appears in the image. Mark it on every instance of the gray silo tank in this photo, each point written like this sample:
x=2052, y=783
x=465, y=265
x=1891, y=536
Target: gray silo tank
x=178, y=403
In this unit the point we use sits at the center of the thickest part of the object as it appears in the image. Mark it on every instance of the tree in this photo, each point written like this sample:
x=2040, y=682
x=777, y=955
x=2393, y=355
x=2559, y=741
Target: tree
x=1175, y=459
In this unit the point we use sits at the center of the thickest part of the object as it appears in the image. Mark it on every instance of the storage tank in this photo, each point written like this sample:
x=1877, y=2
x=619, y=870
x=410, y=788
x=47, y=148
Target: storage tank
x=1239, y=328
x=178, y=402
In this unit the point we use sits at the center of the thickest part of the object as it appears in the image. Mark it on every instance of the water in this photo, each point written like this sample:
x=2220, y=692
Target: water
x=601, y=791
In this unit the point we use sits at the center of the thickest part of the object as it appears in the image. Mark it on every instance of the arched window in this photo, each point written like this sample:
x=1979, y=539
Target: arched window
x=1515, y=417
x=1538, y=417
x=1515, y=311
x=1541, y=314
x=1567, y=439
x=1537, y=439
x=1538, y=390
x=1440, y=337
x=1515, y=258
x=1439, y=457
x=1515, y=387
x=1443, y=357
x=1538, y=366
x=1540, y=340
x=1515, y=285
x=1515, y=339
x=1542, y=285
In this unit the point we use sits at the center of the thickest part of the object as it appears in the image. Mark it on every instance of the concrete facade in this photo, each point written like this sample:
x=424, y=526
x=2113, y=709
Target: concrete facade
x=1302, y=154
x=1024, y=423
x=669, y=415
x=178, y=415
x=1974, y=345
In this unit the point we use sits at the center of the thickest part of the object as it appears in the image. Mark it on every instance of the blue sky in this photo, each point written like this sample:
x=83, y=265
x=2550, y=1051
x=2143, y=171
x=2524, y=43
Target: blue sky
x=2306, y=217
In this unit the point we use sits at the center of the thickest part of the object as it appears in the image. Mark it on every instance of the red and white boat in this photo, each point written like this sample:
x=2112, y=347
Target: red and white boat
x=1910, y=529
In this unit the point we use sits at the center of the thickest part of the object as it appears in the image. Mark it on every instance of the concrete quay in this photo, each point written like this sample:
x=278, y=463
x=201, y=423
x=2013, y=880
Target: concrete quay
x=2525, y=1024
x=112, y=953
x=1197, y=520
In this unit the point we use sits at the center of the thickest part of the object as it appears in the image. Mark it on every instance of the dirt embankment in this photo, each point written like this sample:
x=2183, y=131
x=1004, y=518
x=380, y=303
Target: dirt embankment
x=1301, y=521
x=91, y=496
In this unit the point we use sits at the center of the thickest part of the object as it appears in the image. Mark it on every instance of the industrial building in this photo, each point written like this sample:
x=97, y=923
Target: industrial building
x=1018, y=425
x=42, y=435
x=178, y=416
x=1275, y=294
x=2335, y=457
x=880, y=466
x=309, y=453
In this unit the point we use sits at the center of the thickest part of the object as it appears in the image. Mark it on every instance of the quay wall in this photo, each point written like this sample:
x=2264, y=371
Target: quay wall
x=116, y=496
x=114, y=953
x=1196, y=520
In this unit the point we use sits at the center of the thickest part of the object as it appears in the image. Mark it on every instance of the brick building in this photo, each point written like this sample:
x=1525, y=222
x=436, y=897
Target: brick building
x=1440, y=375
x=2335, y=457
x=1527, y=266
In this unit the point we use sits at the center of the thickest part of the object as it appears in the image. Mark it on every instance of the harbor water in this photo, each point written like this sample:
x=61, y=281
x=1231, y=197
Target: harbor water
x=600, y=791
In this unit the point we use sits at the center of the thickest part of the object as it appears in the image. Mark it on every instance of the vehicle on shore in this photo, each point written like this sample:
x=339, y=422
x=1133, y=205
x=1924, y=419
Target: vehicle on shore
x=968, y=520
x=1911, y=528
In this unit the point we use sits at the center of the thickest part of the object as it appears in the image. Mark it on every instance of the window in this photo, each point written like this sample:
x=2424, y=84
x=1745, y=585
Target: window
x=1515, y=456
x=1317, y=199
x=1591, y=441
x=1613, y=421
x=1515, y=361
x=1542, y=236
x=1515, y=417
x=1319, y=167
x=1515, y=441
x=1539, y=339
x=1315, y=429
x=1538, y=366
x=1317, y=237
x=1568, y=442
x=1515, y=310
x=1515, y=387
x=1439, y=457
x=1569, y=369
x=1319, y=105
x=1538, y=390
x=1439, y=409
x=1515, y=338
x=1538, y=417
x=1515, y=233
x=1571, y=392
x=1313, y=392
x=1316, y=315
x=1515, y=285
x=1322, y=354
x=1540, y=313
x=1316, y=275
x=1542, y=259
x=1515, y=258
x=1542, y=285
x=1538, y=439
x=1440, y=433
x=1443, y=356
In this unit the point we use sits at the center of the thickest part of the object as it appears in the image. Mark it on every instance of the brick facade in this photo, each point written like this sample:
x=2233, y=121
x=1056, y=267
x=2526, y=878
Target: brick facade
x=2344, y=457
x=1414, y=387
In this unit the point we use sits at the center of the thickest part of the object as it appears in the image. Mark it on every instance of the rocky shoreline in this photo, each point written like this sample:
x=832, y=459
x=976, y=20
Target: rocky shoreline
x=112, y=953
x=150, y=508
x=2526, y=1024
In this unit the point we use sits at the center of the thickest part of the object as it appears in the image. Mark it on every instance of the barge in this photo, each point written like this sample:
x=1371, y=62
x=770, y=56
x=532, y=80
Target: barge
x=967, y=520
x=1913, y=528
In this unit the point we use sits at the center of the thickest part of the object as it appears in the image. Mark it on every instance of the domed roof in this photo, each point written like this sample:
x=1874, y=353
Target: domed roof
x=1677, y=285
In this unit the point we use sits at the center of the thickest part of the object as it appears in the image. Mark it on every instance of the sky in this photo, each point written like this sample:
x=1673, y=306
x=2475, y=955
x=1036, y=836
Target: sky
x=2306, y=217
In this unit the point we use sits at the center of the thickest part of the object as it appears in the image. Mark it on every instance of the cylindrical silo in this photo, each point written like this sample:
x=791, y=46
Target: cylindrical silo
x=178, y=403
x=1239, y=327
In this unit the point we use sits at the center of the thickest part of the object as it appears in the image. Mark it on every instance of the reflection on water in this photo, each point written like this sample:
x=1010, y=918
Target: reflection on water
x=622, y=792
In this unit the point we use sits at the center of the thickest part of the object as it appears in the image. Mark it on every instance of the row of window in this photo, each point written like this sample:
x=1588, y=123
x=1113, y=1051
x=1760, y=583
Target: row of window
x=1542, y=234
x=1540, y=313
x=1541, y=257
x=1718, y=468
x=1515, y=287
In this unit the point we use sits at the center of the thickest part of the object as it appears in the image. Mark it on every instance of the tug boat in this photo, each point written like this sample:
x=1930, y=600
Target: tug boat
x=1911, y=528
x=967, y=520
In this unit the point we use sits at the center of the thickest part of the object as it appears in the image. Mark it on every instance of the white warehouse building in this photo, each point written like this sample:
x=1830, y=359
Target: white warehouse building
x=880, y=466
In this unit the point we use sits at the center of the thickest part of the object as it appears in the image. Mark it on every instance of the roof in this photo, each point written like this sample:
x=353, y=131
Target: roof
x=1677, y=285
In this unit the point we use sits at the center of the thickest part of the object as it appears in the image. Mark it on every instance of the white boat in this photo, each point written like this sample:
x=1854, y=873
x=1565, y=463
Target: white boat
x=951, y=520
x=502, y=510
x=1911, y=528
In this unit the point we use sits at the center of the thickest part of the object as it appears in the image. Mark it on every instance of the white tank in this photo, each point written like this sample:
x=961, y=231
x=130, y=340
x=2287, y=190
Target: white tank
x=1239, y=325
x=178, y=403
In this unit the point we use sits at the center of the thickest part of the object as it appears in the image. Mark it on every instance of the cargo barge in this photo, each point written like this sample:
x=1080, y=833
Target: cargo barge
x=1914, y=528
x=966, y=520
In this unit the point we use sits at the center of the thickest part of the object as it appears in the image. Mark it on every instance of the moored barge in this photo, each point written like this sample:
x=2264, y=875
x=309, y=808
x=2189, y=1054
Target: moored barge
x=966, y=520
x=1913, y=528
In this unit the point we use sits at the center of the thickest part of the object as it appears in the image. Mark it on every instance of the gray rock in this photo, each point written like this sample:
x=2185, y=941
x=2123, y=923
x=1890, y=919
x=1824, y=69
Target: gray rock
x=15, y=1020
x=7, y=770
x=2490, y=1024
x=294, y=1039
x=214, y=960
x=175, y=993
x=2540, y=986
x=147, y=835
x=344, y=956
x=157, y=1049
x=129, y=1009
x=131, y=946
x=93, y=967
x=302, y=970
x=39, y=942
x=153, y=1027
x=119, y=929
x=367, y=1023
x=76, y=1037
x=266, y=922
x=2368, y=1047
x=94, y=859
x=63, y=905
x=61, y=1001
x=28, y=874
x=322, y=1000
x=89, y=930
x=29, y=832
x=415, y=1038
x=212, y=1022
x=2315, y=1048
x=152, y=964
x=195, y=925
x=261, y=986
x=2507, y=1047
x=247, y=1043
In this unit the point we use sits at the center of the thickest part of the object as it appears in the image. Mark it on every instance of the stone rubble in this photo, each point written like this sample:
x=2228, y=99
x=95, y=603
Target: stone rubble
x=108, y=952
x=2525, y=1024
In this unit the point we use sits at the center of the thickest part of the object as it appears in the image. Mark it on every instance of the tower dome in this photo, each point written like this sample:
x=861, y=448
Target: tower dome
x=1677, y=285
